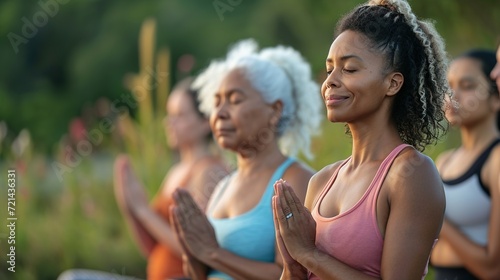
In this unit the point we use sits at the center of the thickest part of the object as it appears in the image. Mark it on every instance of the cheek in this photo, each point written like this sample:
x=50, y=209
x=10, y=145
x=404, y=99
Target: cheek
x=186, y=125
x=323, y=90
x=211, y=120
x=357, y=85
x=471, y=102
x=251, y=122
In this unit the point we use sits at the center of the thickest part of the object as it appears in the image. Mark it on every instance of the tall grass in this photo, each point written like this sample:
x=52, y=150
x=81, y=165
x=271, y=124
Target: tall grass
x=74, y=222
x=144, y=138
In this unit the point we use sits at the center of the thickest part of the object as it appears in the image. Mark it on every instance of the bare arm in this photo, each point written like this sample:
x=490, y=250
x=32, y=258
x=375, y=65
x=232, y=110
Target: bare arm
x=483, y=261
x=201, y=190
x=201, y=185
x=149, y=226
x=157, y=227
x=142, y=237
x=416, y=200
x=241, y=268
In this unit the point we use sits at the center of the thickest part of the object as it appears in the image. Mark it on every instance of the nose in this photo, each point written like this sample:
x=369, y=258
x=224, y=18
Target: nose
x=221, y=111
x=455, y=93
x=331, y=80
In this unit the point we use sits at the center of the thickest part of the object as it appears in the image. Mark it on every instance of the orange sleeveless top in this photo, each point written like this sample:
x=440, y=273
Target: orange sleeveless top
x=163, y=263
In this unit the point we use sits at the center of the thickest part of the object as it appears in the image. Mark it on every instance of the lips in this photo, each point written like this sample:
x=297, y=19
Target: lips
x=223, y=131
x=335, y=99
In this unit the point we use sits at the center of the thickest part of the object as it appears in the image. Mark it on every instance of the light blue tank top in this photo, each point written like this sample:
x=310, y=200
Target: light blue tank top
x=250, y=235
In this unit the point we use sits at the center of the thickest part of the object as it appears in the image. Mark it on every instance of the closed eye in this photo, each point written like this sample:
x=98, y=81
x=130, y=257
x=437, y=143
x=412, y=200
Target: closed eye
x=345, y=70
x=235, y=97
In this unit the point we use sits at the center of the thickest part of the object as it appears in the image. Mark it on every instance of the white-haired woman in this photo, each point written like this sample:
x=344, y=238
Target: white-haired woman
x=264, y=107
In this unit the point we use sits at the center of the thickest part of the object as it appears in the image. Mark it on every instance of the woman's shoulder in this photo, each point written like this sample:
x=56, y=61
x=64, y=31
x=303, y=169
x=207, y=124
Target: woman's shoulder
x=213, y=160
x=321, y=177
x=209, y=170
x=495, y=154
x=443, y=157
x=211, y=164
x=298, y=170
x=491, y=168
x=414, y=172
x=410, y=163
x=298, y=175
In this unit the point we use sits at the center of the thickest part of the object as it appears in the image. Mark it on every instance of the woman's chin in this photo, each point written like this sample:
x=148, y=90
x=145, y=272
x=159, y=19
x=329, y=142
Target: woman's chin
x=172, y=144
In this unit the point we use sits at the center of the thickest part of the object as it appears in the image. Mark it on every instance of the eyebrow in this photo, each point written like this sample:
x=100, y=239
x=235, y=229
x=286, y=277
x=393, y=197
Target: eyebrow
x=345, y=57
x=235, y=90
x=230, y=92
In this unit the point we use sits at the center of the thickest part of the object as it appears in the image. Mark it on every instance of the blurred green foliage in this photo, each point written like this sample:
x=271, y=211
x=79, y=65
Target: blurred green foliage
x=75, y=66
x=83, y=49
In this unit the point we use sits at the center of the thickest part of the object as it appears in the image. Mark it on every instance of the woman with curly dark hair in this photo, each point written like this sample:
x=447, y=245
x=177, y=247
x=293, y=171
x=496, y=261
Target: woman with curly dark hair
x=377, y=214
x=469, y=242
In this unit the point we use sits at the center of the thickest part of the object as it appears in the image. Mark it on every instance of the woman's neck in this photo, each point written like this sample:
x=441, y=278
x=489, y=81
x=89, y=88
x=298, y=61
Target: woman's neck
x=372, y=142
x=254, y=159
x=193, y=153
x=479, y=135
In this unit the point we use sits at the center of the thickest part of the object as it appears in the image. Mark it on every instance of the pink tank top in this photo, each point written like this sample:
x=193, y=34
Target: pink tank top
x=353, y=237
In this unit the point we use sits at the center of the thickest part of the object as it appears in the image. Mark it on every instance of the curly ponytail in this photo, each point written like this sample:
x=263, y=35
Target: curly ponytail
x=304, y=118
x=414, y=48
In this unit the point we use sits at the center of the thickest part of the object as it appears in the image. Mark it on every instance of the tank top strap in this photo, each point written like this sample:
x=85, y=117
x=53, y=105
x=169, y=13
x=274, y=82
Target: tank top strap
x=329, y=184
x=478, y=165
x=475, y=168
x=268, y=193
x=484, y=155
x=383, y=169
x=219, y=190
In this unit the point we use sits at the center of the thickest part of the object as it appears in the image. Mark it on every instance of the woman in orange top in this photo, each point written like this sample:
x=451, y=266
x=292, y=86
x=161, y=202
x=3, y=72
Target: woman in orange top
x=198, y=171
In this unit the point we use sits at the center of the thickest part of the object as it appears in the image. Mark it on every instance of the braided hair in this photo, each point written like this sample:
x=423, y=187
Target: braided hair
x=415, y=49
